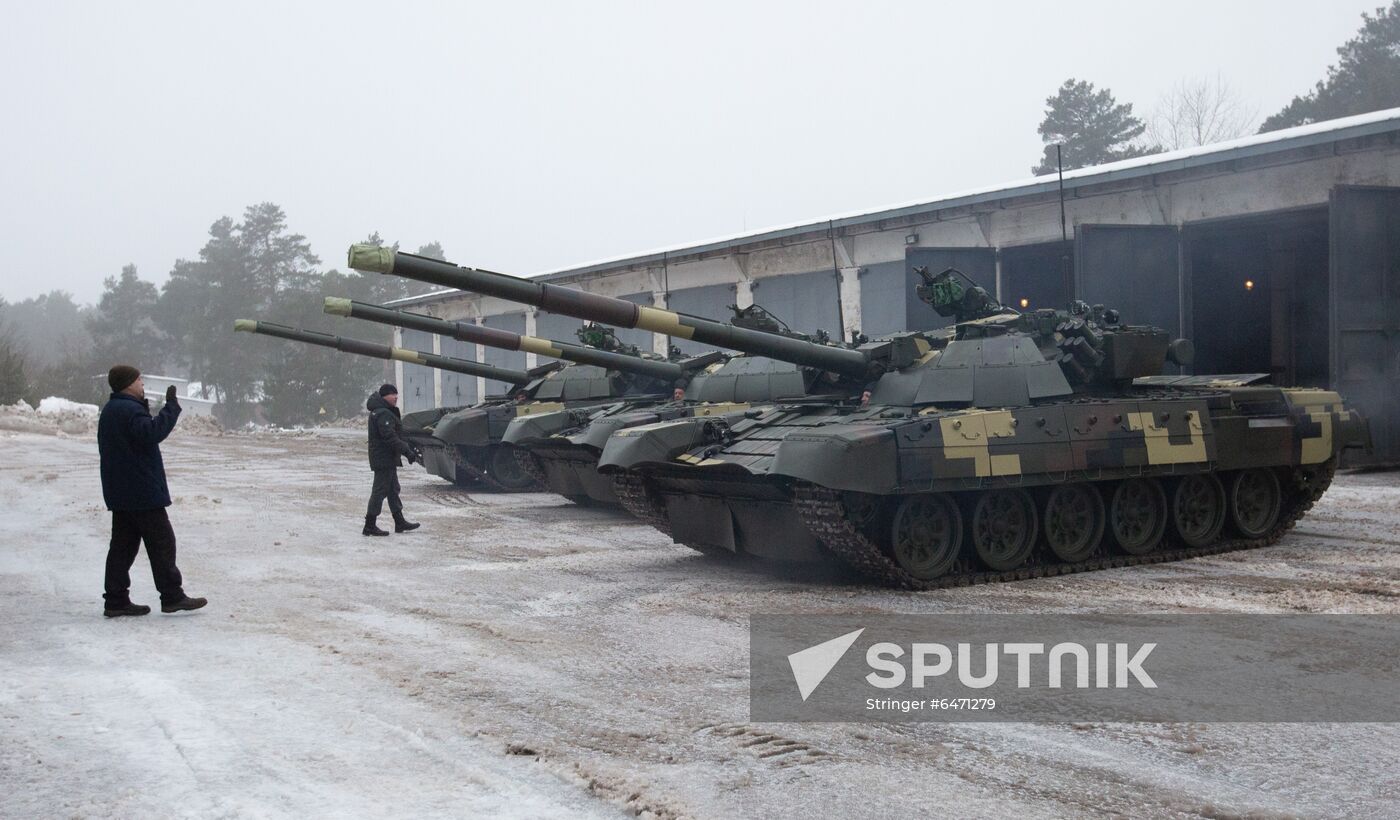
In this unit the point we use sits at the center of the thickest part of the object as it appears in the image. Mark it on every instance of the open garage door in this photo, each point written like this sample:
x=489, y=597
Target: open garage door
x=1364, y=238
x=978, y=263
x=1135, y=269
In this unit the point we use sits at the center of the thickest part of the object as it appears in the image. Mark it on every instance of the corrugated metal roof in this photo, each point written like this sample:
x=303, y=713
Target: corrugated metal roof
x=1288, y=139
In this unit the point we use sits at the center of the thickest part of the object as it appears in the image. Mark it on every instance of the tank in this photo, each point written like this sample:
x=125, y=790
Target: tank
x=419, y=427
x=1007, y=446
x=567, y=444
x=608, y=373
x=563, y=447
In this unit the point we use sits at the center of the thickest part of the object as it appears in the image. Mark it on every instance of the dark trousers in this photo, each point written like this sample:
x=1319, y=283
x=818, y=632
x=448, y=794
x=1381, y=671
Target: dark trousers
x=129, y=529
x=386, y=485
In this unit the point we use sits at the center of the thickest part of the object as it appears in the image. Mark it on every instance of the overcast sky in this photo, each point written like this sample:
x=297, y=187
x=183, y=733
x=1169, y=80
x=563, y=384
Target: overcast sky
x=532, y=136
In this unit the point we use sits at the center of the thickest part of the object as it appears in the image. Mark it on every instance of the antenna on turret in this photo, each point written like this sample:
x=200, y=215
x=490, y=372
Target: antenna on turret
x=836, y=269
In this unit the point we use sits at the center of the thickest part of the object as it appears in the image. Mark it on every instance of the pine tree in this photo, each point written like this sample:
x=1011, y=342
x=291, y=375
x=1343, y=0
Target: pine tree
x=1091, y=126
x=123, y=327
x=13, y=381
x=1365, y=79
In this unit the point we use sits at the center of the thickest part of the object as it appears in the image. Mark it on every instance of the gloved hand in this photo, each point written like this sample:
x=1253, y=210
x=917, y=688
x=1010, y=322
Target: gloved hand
x=170, y=396
x=410, y=455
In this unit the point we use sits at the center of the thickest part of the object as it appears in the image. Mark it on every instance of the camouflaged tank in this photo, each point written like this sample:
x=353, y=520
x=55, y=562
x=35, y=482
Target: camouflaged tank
x=419, y=427
x=564, y=446
x=466, y=444
x=1008, y=446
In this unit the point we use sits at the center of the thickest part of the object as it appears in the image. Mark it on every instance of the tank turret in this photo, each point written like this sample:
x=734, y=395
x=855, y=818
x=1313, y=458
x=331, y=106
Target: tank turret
x=616, y=312
x=379, y=351
x=995, y=356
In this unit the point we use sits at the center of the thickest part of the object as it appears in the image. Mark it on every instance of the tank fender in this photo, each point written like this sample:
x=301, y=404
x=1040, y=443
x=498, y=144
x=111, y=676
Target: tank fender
x=596, y=435
x=468, y=428
x=842, y=457
x=537, y=426
x=658, y=443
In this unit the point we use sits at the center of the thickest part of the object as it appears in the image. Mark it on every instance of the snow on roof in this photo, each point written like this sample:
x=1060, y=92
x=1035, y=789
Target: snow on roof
x=1253, y=145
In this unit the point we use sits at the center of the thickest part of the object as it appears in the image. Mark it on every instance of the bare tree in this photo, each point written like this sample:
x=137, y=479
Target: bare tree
x=1200, y=111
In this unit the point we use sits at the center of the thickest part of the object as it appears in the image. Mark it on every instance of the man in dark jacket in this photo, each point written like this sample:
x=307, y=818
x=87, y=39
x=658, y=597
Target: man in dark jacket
x=133, y=486
x=386, y=444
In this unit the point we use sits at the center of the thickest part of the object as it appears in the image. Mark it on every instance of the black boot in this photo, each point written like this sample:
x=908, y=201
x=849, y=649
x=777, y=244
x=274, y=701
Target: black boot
x=370, y=528
x=184, y=604
x=402, y=524
x=128, y=608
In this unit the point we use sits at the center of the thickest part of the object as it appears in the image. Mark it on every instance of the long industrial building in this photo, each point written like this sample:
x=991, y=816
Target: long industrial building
x=1277, y=253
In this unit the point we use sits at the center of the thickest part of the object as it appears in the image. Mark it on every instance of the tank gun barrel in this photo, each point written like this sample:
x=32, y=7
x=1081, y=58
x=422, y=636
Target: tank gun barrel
x=609, y=310
x=504, y=339
x=379, y=351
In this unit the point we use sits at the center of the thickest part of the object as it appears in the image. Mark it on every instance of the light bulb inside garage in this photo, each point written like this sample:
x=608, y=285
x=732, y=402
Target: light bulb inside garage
x=1249, y=284
x=1025, y=303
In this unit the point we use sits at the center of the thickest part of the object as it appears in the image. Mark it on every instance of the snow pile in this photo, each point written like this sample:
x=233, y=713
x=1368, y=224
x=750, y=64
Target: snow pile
x=21, y=418
x=347, y=423
x=56, y=415
x=54, y=405
x=190, y=424
x=68, y=416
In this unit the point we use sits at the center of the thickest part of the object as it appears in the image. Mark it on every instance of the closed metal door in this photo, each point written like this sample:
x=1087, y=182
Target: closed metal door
x=1134, y=269
x=1364, y=239
x=416, y=392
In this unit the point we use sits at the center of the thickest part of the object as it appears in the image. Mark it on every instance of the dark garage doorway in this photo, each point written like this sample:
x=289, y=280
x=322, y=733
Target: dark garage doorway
x=1259, y=296
x=1033, y=276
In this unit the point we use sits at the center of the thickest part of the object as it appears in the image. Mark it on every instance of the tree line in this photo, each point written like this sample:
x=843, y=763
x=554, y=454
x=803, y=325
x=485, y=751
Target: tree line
x=253, y=268
x=257, y=268
x=1091, y=127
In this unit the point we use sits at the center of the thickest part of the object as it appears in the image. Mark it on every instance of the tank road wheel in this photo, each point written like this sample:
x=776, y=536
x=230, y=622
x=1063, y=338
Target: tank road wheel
x=1137, y=515
x=506, y=470
x=1004, y=528
x=1198, y=509
x=1073, y=521
x=927, y=535
x=1255, y=502
x=867, y=513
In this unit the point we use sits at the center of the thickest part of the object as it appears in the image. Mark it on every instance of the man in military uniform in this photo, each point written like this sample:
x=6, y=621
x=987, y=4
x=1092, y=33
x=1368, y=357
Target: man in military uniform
x=134, y=488
x=386, y=444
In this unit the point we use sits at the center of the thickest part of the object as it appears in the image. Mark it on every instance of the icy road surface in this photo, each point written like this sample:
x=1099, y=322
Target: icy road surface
x=520, y=656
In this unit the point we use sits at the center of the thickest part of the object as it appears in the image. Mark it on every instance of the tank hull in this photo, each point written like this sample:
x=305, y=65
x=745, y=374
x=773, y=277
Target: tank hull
x=930, y=498
x=563, y=447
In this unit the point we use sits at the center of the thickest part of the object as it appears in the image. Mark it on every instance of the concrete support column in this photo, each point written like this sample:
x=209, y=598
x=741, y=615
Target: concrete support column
x=659, y=343
x=849, y=288
x=437, y=374
x=480, y=357
x=531, y=322
x=743, y=293
x=398, y=365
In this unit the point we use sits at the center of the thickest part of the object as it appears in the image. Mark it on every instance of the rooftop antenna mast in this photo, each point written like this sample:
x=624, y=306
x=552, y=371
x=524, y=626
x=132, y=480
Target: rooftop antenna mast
x=1066, y=277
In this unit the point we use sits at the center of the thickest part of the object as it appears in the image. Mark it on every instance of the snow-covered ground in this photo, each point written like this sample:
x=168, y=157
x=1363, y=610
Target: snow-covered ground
x=520, y=656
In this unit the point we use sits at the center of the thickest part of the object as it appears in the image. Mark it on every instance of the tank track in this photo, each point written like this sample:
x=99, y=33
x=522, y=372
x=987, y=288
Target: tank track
x=823, y=512
x=529, y=465
x=636, y=499
x=476, y=473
